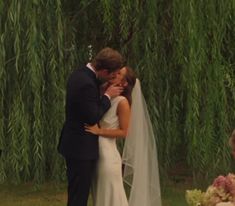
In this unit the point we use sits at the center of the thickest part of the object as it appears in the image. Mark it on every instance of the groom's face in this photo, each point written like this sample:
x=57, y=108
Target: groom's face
x=104, y=75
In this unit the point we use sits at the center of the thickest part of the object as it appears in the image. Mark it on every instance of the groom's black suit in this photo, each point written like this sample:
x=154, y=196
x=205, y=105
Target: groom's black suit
x=80, y=148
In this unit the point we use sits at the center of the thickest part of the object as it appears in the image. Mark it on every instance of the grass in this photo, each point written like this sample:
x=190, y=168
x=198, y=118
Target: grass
x=55, y=195
x=28, y=195
x=174, y=195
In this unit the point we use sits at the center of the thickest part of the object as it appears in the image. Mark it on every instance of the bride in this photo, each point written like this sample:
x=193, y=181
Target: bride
x=128, y=117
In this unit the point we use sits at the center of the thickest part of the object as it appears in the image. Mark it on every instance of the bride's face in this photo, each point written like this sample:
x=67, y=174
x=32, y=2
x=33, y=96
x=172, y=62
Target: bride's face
x=120, y=78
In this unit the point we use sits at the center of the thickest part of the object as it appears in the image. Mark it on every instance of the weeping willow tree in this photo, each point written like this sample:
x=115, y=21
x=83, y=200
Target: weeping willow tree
x=32, y=78
x=183, y=52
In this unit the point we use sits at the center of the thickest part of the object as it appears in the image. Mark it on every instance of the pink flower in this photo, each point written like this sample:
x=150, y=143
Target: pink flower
x=221, y=191
x=230, y=184
x=220, y=181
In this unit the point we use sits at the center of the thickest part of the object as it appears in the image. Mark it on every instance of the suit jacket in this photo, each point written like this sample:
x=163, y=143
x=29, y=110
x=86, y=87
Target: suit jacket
x=83, y=106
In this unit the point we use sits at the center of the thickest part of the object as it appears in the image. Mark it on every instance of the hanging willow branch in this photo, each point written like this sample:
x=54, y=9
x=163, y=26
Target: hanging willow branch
x=182, y=51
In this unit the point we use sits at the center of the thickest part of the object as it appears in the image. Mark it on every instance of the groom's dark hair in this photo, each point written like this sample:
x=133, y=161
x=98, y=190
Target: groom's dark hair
x=109, y=59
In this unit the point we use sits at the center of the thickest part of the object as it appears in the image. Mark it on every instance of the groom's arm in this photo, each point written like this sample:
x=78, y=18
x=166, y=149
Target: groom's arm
x=93, y=107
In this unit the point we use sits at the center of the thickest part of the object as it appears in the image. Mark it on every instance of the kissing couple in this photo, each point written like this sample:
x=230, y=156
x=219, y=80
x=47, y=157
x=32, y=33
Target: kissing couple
x=104, y=102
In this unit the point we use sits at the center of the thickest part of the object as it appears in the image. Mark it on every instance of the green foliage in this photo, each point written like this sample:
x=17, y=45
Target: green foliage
x=55, y=195
x=183, y=52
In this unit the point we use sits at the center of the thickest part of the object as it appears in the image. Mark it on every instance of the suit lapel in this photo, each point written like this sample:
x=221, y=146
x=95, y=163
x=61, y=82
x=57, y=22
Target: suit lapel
x=90, y=73
x=93, y=76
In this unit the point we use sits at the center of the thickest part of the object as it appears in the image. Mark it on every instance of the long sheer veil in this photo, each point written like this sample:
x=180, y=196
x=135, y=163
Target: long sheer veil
x=140, y=155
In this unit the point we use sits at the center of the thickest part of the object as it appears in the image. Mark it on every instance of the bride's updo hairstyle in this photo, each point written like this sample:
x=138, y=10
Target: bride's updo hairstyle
x=131, y=79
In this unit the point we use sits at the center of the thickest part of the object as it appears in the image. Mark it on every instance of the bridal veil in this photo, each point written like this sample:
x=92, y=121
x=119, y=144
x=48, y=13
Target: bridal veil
x=140, y=155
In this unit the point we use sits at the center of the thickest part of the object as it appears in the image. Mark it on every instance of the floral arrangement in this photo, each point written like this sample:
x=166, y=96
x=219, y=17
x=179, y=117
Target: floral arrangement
x=220, y=193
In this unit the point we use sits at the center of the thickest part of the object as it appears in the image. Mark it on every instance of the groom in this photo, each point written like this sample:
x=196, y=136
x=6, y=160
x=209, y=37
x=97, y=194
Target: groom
x=84, y=105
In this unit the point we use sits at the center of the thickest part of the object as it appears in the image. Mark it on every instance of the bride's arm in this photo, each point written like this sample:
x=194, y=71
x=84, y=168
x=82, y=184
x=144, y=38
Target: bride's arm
x=123, y=112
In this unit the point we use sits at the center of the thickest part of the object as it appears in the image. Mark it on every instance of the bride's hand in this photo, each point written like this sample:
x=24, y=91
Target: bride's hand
x=92, y=129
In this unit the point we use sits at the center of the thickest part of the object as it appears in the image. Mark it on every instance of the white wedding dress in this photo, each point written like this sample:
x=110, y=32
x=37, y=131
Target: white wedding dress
x=139, y=157
x=107, y=188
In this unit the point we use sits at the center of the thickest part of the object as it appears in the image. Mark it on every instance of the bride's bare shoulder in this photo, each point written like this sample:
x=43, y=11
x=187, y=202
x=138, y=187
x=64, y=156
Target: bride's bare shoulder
x=123, y=103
